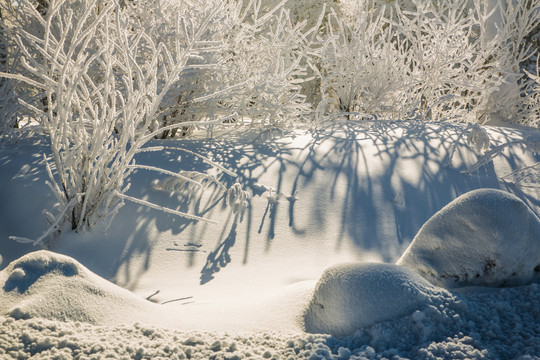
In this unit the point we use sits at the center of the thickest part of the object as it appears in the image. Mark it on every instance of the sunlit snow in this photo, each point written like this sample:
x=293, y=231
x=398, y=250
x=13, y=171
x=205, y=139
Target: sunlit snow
x=307, y=270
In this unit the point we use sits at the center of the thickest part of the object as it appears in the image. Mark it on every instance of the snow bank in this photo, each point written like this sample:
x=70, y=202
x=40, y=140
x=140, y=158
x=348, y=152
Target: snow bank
x=265, y=268
x=42, y=339
x=352, y=296
x=486, y=237
x=492, y=324
x=48, y=285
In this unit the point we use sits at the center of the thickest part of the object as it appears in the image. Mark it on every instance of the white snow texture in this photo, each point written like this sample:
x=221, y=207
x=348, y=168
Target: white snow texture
x=485, y=237
x=54, y=286
x=349, y=297
x=266, y=302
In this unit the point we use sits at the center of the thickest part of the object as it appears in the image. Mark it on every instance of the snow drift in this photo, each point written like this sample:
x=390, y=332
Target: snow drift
x=363, y=191
x=349, y=297
x=53, y=286
x=485, y=237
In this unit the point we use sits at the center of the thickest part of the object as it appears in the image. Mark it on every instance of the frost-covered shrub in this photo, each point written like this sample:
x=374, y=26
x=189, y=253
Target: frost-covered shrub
x=104, y=81
x=430, y=60
x=507, y=30
x=159, y=21
x=531, y=112
x=257, y=63
x=302, y=10
x=363, y=70
x=14, y=93
x=264, y=61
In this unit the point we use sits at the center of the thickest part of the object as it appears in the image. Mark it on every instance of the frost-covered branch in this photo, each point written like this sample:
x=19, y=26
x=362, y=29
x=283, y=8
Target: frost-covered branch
x=431, y=60
x=104, y=81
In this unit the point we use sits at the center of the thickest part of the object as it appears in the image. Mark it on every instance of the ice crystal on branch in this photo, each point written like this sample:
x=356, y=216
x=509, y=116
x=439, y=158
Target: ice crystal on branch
x=238, y=198
x=478, y=138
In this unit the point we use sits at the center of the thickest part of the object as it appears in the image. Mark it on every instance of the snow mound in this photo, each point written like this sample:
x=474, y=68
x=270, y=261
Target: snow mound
x=485, y=237
x=351, y=296
x=49, y=285
x=490, y=323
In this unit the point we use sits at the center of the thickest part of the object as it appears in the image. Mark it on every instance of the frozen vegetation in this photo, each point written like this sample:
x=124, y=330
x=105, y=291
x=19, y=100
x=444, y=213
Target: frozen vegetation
x=269, y=179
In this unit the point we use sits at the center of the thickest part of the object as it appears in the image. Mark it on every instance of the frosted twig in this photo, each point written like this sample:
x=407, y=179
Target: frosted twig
x=174, y=300
x=50, y=230
x=203, y=158
x=164, y=209
x=166, y=172
x=486, y=158
x=238, y=198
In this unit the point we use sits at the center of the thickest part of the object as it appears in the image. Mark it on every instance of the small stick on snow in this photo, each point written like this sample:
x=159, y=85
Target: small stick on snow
x=184, y=298
x=185, y=250
x=149, y=298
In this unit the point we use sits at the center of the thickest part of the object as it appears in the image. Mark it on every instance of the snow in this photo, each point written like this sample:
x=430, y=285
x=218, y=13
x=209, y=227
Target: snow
x=485, y=237
x=348, y=297
x=49, y=285
x=329, y=213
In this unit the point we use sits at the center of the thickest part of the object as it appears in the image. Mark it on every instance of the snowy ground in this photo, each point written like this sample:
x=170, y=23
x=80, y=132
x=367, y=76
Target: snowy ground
x=156, y=286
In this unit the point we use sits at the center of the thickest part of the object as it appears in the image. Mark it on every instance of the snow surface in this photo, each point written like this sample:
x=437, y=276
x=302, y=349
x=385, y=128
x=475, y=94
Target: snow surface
x=349, y=297
x=485, y=237
x=50, y=285
x=154, y=285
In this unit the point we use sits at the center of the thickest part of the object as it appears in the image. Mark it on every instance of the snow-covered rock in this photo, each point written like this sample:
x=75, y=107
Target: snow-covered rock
x=351, y=296
x=49, y=285
x=485, y=237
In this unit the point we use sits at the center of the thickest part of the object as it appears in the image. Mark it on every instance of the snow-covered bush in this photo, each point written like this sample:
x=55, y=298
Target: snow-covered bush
x=506, y=27
x=265, y=61
x=158, y=20
x=104, y=81
x=303, y=10
x=258, y=62
x=532, y=100
x=363, y=71
x=14, y=93
x=431, y=60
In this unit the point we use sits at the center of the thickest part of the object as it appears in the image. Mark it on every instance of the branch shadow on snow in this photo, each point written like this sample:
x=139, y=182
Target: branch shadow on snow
x=378, y=205
x=244, y=157
x=365, y=170
x=24, y=195
x=383, y=193
x=220, y=257
x=416, y=194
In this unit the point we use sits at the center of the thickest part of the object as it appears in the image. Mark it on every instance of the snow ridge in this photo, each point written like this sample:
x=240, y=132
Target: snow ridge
x=463, y=328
